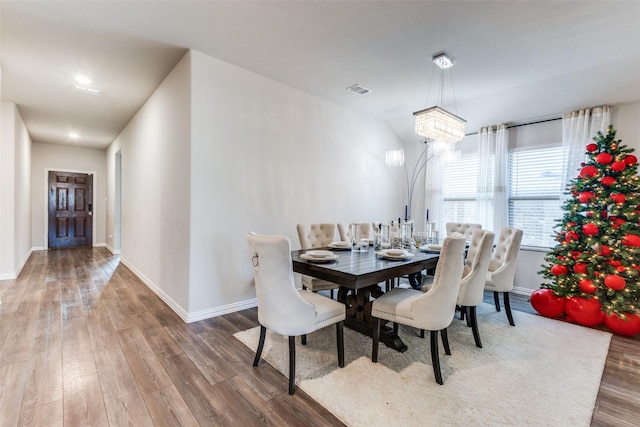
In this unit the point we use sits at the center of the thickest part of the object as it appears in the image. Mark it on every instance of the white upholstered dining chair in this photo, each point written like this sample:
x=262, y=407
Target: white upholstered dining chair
x=344, y=230
x=502, y=268
x=284, y=309
x=473, y=277
x=432, y=310
x=316, y=236
x=463, y=228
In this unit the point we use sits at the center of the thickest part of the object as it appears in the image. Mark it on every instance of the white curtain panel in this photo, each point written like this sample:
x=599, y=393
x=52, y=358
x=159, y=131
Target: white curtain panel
x=578, y=130
x=493, y=168
x=501, y=175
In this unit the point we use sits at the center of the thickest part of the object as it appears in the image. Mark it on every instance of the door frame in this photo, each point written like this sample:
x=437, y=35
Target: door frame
x=46, y=202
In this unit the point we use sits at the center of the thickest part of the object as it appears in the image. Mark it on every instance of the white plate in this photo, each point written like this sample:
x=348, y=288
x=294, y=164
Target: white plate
x=406, y=255
x=340, y=245
x=306, y=257
x=434, y=247
x=394, y=252
x=319, y=254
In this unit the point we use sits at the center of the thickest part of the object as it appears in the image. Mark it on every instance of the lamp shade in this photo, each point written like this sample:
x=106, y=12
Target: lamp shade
x=438, y=124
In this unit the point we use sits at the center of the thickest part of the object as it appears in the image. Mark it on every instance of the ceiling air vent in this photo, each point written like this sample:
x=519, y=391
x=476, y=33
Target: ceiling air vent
x=360, y=90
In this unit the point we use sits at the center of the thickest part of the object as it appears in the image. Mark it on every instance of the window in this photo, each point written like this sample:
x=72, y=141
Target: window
x=459, y=190
x=534, y=194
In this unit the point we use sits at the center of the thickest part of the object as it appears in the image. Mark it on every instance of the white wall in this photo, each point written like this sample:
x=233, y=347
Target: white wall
x=265, y=157
x=47, y=157
x=155, y=148
x=15, y=183
x=218, y=151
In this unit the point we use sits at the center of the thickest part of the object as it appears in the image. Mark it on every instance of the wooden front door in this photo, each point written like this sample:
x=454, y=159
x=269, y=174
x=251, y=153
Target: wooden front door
x=70, y=209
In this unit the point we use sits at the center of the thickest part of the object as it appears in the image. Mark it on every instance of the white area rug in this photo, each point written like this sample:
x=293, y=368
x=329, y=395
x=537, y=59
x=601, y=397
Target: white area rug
x=542, y=372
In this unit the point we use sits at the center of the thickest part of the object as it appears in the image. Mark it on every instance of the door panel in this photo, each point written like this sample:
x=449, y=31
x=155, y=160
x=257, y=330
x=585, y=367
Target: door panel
x=70, y=213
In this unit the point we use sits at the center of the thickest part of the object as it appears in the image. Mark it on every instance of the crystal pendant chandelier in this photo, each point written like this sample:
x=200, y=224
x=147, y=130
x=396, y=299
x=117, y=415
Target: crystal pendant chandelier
x=436, y=123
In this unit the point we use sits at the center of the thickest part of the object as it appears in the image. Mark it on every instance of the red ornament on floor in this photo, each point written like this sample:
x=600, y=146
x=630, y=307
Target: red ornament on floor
x=547, y=303
x=628, y=327
x=585, y=312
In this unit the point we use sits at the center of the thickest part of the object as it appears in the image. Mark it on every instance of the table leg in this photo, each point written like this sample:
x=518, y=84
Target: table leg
x=358, y=303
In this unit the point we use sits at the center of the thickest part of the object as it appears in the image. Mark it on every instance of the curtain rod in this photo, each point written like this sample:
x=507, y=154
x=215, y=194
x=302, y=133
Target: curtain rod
x=523, y=124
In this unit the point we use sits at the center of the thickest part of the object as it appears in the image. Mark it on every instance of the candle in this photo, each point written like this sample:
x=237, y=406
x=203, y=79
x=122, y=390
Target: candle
x=427, y=214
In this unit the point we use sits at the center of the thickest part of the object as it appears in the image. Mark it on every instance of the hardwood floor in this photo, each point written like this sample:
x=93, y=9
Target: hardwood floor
x=84, y=342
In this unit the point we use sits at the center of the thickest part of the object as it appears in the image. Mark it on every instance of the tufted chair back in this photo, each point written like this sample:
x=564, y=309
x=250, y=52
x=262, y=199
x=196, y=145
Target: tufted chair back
x=463, y=228
x=475, y=268
x=345, y=231
x=502, y=267
x=316, y=235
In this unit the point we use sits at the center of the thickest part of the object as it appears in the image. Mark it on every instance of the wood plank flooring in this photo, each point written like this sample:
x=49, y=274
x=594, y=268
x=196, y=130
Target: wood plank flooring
x=84, y=342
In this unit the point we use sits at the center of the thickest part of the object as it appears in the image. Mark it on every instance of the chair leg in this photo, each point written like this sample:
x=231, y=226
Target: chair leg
x=461, y=308
x=340, y=338
x=376, y=339
x=507, y=308
x=292, y=365
x=263, y=332
x=496, y=300
x=303, y=339
x=435, y=358
x=421, y=333
x=474, y=325
x=467, y=310
x=445, y=341
x=395, y=328
x=331, y=291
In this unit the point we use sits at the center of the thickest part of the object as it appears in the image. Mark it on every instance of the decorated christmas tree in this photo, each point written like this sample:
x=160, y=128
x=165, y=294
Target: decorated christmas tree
x=593, y=274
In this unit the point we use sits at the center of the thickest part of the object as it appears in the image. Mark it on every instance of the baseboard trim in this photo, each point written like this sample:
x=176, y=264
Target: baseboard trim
x=523, y=291
x=219, y=311
x=110, y=249
x=156, y=290
x=184, y=315
x=14, y=275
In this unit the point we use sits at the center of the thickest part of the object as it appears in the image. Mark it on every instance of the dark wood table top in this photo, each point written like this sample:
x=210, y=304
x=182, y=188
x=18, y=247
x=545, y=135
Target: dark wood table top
x=356, y=270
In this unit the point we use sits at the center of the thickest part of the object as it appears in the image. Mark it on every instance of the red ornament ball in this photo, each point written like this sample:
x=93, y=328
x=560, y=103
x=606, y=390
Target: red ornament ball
x=604, y=158
x=571, y=236
x=608, y=180
x=547, y=303
x=592, y=147
x=559, y=270
x=583, y=311
x=588, y=171
x=631, y=240
x=628, y=326
x=620, y=268
x=575, y=254
x=585, y=196
x=618, y=198
x=630, y=160
x=615, y=263
x=618, y=166
x=590, y=229
x=587, y=286
x=580, y=268
x=615, y=282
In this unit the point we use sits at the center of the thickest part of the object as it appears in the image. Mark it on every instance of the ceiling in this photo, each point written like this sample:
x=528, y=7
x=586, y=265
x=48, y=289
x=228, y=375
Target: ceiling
x=515, y=61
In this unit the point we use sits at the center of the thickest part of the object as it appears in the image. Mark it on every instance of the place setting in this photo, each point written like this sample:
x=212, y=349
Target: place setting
x=340, y=245
x=319, y=256
x=395, y=254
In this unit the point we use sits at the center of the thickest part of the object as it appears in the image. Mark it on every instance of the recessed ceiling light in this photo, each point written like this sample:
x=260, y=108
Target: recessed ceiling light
x=73, y=135
x=83, y=80
x=88, y=90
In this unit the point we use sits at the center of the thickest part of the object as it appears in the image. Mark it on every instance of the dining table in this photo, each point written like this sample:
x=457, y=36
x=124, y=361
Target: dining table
x=364, y=276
